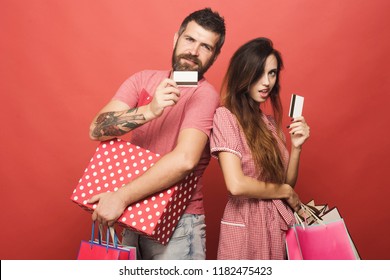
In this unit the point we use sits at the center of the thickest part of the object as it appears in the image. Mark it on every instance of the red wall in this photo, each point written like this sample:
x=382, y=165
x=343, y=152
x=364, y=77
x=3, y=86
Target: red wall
x=62, y=60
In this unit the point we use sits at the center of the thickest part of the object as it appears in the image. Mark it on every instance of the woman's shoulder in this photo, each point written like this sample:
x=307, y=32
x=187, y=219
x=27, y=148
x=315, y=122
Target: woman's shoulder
x=225, y=118
x=223, y=111
x=223, y=114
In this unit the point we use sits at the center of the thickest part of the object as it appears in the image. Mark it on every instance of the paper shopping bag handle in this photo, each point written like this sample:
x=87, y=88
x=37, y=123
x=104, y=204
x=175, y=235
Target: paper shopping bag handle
x=307, y=209
x=110, y=232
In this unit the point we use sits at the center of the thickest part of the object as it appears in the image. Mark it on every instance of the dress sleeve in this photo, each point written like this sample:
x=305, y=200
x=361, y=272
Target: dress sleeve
x=225, y=135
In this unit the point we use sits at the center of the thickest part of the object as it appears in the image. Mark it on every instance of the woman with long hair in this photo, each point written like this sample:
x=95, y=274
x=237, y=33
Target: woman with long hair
x=259, y=172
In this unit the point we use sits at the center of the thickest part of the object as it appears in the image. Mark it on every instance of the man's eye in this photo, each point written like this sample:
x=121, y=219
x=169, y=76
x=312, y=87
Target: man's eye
x=207, y=47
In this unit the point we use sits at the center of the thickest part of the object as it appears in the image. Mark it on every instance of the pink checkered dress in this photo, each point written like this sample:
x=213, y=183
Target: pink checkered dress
x=250, y=228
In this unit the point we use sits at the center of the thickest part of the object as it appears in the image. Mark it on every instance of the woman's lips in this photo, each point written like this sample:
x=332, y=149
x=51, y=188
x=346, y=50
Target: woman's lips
x=264, y=93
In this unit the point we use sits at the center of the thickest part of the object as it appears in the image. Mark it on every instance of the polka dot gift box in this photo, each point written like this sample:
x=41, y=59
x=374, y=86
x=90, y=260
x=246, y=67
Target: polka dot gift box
x=115, y=163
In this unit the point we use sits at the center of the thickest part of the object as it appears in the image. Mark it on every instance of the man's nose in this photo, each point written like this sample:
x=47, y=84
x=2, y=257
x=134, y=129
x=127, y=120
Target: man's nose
x=194, y=50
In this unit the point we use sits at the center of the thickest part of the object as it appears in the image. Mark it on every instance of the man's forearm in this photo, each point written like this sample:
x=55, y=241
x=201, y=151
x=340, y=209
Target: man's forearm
x=170, y=168
x=113, y=124
x=166, y=172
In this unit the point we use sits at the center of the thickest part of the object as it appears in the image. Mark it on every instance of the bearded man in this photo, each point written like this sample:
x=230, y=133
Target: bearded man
x=174, y=122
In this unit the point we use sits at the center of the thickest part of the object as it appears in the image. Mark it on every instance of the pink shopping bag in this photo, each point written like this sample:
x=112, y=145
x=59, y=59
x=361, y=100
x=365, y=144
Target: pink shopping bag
x=99, y=250
x=292, y=245
x=327, y=241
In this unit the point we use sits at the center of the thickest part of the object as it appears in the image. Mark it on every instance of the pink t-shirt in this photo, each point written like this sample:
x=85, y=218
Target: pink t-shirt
x=195, y=109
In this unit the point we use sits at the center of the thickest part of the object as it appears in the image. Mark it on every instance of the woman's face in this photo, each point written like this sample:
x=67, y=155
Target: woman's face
x=260, y=90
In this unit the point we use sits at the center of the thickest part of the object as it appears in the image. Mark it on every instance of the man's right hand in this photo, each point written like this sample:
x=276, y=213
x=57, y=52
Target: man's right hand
x=167, y=94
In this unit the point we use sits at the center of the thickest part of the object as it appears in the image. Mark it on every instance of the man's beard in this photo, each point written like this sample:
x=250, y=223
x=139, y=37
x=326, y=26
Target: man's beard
x=178, y=66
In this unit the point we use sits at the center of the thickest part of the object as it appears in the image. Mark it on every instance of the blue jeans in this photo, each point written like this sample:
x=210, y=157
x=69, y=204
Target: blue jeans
x=188, y=241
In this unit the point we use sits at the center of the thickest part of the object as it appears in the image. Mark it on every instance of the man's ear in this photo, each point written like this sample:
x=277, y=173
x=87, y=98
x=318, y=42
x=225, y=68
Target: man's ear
x=175, y=39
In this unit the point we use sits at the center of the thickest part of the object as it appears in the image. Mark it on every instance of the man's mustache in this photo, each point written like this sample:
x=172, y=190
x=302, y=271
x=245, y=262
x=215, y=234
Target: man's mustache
x=190, y=57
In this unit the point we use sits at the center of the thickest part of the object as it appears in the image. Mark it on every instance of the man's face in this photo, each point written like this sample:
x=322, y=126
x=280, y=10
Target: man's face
x=194, y=49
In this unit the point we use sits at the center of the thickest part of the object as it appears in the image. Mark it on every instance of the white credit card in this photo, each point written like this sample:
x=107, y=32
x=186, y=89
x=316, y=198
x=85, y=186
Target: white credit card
x=186, y=78
x=296, y=106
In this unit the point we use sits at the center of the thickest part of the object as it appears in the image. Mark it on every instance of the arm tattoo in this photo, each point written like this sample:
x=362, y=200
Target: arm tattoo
x=117, y=123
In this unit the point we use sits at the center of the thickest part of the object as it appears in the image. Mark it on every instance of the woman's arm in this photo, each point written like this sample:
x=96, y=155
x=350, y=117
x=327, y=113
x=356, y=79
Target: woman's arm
x=300, y=132
x=240, y=185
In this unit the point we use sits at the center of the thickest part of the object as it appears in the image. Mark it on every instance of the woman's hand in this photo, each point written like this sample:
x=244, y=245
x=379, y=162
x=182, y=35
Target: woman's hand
x=292, y=198
x=299, y=131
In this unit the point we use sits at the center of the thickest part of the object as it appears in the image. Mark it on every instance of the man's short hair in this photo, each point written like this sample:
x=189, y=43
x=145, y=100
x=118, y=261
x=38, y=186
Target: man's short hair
x=209, y=20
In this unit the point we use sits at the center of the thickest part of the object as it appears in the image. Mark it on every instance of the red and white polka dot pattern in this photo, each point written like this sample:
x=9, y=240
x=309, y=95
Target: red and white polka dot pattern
x=115, y=163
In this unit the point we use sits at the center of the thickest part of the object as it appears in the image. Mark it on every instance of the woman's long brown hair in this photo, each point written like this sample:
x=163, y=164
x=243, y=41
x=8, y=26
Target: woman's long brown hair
x=245, y=69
